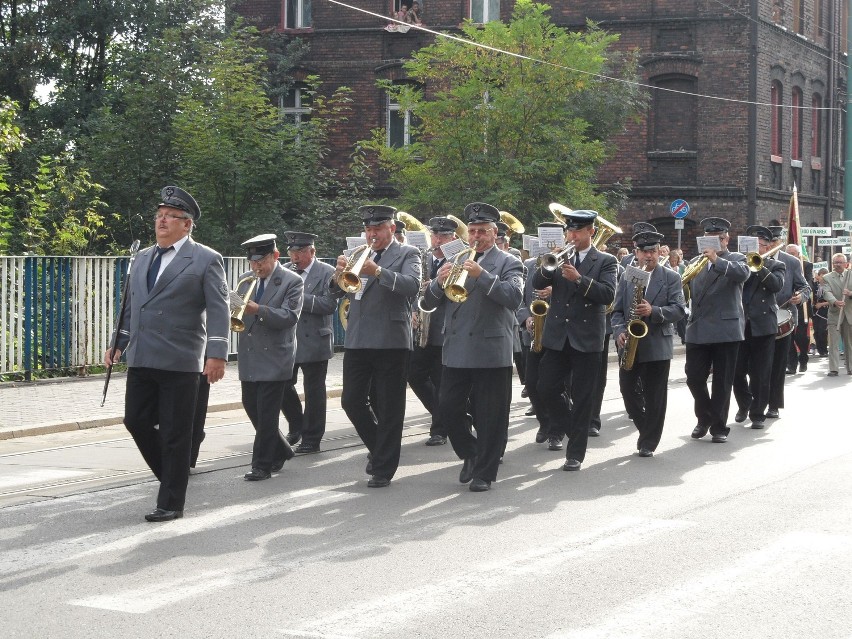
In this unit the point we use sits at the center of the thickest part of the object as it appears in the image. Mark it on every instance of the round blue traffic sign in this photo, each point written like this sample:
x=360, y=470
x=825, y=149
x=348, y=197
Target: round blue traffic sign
x=680, y=209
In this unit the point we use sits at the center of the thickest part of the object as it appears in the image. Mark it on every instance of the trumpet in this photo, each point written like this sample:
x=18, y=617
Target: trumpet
x=454, y=284
x=755, y=260
x=350, y=278
x=237, y=324
x=538, y=308
x=551, y=262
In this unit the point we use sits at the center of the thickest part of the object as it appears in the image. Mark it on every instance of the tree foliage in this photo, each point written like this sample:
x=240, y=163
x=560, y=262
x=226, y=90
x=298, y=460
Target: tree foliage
x=519, y=131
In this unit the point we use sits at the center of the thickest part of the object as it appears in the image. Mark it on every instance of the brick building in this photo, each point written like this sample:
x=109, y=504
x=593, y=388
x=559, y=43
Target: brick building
x=737, y=157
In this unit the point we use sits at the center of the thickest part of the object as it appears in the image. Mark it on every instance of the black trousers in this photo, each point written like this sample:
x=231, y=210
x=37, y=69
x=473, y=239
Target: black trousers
x=532, y=368
x=166, y=398
x=520, y=359
x=799, y=343
x=821, y=334
x=424, y=377
x=600, y=387
x=645, y=389
x=200, y=419
x=779, y=371
x=712, y=407
x=754, y=361
x=262, y=401
x=379, y=426
x=310, y=422
x=555, y=371
x=490, y=393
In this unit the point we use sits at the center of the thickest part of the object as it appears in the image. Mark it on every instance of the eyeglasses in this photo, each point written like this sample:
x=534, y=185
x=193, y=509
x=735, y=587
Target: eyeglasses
x=169, y=216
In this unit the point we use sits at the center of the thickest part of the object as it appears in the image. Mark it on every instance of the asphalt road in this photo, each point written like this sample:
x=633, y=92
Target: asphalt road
x=751, y=538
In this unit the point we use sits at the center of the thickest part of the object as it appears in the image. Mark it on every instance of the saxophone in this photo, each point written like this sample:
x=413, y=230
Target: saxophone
x=421, y=329
x=636, y=330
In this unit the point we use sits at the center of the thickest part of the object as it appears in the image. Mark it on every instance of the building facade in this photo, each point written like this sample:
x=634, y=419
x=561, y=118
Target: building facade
x=751, y=95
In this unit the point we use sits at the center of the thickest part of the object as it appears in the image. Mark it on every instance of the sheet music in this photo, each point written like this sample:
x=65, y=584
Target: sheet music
x=451, y=249
x=747, y=244
x=551, y=237
x=526, y=239
x=353, y=243
x=708, y=242
x=418, y=240
x=637, y=276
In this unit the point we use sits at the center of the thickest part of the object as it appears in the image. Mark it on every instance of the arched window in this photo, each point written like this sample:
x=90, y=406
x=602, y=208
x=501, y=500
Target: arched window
x=796, y=124
x=775, y=97
x=674, y=114
x=816, y=126
x=401, y=124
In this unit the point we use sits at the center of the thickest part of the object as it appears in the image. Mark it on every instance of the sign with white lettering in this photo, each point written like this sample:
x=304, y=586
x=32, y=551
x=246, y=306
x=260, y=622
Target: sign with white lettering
x=816, y=231
x=834, y=241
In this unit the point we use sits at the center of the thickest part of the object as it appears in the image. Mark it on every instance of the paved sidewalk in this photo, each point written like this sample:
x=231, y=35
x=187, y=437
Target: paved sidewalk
x=73, y=403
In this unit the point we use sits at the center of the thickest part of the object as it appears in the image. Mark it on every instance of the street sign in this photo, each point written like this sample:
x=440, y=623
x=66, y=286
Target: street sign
x=679, y=224
x=819, y=265
x=679, y=209
x=834, y=241
x=842, y=225
x=816, y=231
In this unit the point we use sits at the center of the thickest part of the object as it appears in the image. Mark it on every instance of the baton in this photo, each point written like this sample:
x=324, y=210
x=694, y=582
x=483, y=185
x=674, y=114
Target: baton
x=134, y=249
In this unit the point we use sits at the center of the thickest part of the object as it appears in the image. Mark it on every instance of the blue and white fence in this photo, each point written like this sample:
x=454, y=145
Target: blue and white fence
x=58, y=312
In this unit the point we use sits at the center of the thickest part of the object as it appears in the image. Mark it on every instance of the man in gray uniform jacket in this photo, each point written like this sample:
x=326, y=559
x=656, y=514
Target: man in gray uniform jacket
x=378, y=341
x=661, y=306
x=314, y=345
x=714, y=331
x=178, y=307
x=754, y=360
x=267, y=352
x=477, y=355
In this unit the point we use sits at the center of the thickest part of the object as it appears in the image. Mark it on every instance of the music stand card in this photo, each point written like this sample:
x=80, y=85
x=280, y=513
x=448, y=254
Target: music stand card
x=538, y=250
x=637, y=276
x=451, y=249
x=352, y=243
x=551, y=237
x=708, y=242
x=418, y=240
x=526, y=239
x=747, y=244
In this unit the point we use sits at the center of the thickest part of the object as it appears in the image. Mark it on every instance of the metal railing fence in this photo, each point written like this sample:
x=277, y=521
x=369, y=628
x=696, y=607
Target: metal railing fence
x=58, y=312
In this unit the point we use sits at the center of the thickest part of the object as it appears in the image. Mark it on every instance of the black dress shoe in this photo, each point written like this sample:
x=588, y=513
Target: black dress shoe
x=791, y=371
x=378, y=482
x=554, y=443
x=304, y=448
x=832, y=374
x=594, y=431
x=757, y=424
x=541, y=435
x=772, y=413
x=436, y=440
x=644, y=452
x=741, y=415
x=256, y=474
x=288, y=455
x=571, y=464
x=803, y=367
x=293, y=438
x=530, y=412
x=524, y=392
x=466, y=473
x=719, y=439
x=479, y=485
x=164, y=515
x=699, y=431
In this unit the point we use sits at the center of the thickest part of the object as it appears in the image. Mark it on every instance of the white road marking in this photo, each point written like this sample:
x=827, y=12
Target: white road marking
x=39, y=477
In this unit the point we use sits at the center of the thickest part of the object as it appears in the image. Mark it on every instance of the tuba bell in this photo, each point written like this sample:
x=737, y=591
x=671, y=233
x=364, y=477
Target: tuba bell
x=237, y=324
x=411, y=222
x=512, y=222
x=559, y=212
x=461, y=231
x=605, y=230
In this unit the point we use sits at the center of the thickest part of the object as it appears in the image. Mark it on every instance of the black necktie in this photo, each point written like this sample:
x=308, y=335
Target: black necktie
x=576, y=260
x=260, y=288
x=477, y=256
x=299, y=271
x=378, y=256
x=155, y=266
x=436, y=264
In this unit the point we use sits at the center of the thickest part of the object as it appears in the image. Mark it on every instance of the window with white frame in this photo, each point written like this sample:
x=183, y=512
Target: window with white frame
x=297, y=14
x=484, y=10
x=400, y=124
x=295, y=106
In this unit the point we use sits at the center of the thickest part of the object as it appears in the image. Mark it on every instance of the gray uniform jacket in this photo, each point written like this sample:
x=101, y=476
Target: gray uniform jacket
x=668, y=307
x=832, y=291
x=578, y=310
x=717, y=301
x=267, y=346
x=314, y=333
x=436, y=319
x=381, y=318
x=794, y=282
x=478, y=332
x=186, y=312
x=759, y=297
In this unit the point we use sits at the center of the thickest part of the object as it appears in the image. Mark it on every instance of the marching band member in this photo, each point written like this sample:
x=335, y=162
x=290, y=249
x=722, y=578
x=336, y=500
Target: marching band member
x=378, y=341
x=314, y=345
x=477, y=353
x=795, y=289
x=714, y=331
x=424, y=373
x=574, y=332
x=754, y=359
x=645, y=385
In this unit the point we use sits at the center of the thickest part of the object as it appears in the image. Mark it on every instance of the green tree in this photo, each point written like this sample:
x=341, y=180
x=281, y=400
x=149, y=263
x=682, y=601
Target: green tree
x=11, y=140
x=519, y=132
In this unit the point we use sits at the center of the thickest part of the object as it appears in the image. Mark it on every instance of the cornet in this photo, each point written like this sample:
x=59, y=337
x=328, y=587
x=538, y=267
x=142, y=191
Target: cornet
x=350, y=277
x=237, y=324
x=454, y=284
